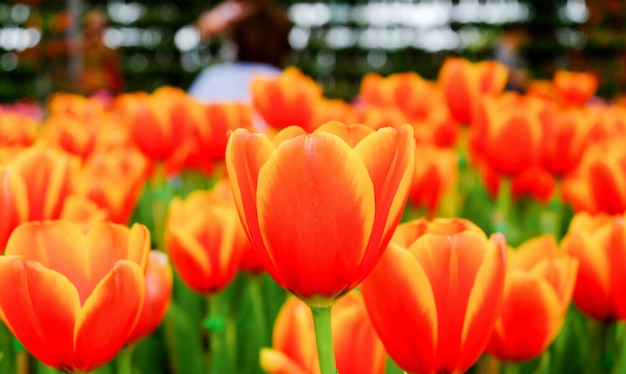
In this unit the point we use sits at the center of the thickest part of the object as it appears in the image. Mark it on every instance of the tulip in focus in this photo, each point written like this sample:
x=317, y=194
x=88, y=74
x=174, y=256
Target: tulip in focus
x=436, y=294
x=537, y=293
x=74, y=297
x=159, y=283
x=357, y=347
x=320, y=208
x=599, y=244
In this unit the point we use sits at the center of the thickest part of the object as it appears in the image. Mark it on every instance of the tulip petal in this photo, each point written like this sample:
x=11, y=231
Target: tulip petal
x=351, y=134
x=294, y=333
x=316, y=210
x=57, y=245
x=245, y=154
x=401, y=305
x=276, y=362
x=189, y=259
x=616, y=252
x=109, y=315
x=41, y=307
x=389, y=158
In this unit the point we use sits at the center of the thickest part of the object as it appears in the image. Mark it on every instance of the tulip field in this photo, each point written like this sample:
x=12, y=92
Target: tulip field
x=424, y=227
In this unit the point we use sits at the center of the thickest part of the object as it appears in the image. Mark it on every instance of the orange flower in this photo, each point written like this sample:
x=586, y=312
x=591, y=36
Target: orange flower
x=74, y=297
x=202, y=240
x=599, y=244
x=566, y=137
x=435, y=174
x=159, y=282
x=289, y=99
x=377, y=118
x=321, y=207
x=464, y=84
x=17, y=129
x=158, y=123
x=70, y=135
x=537, y=293
x=436, y=293
x=333, y=110
x=13, y=203
x=358, y=349
x=82, y=211
x=48, y=176
x=507, y=133
x=600, y=185
x=114, y=180
x=574, y=88
x=78, y=107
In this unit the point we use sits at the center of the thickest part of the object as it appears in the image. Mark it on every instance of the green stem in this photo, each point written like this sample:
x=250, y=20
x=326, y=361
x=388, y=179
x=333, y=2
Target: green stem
x=503, y=207
x=125, y=360
x=22, y=362
x=324, y=338
x=598, y=333
x=619, y=365
x=508, y=367
x=260, y=324
x=216, y=323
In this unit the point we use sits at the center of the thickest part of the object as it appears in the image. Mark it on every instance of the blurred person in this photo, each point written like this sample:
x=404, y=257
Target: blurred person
x=101, y=71
x=508, y=52
x=260, y=30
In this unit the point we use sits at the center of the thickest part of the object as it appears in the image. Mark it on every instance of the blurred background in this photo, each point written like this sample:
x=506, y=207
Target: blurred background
x=336, y=42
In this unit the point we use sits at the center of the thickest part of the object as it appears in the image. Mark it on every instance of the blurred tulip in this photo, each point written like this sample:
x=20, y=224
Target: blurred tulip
x=48, y=176
x=566, y=137
x=202, y=240
x=599, y=244
x=158, y=123
x=78, y=107
x=321, y=207
x=435, y=174
x=70, y=135
x=507, y=133
x=286, y=100
x=464, y=84
x=159, y=283
x=357, y=347
x=377, y=118
x=74, y=297
x=534, y=182
x=600, y=184
x=574, y=88
x=333, y=110
x=114, y=181
x=537, y=293
x=436, y=293
x=17, y=129
x=82, y=211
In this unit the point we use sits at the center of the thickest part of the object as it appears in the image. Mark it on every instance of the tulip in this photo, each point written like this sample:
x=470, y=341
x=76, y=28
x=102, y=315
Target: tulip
x=286, y=100
x=435, y=174
x=599, y=244
x=465, y=84
x=321, y=207
x=17, y=129
x=333, y=110
x=436, y=293
x=574, y=88
x=74, y=297
x=159, y=283
x=537, y=293
x=507, y=133
x=202, y=240
x=600, y=184
x=357, y=347
x=70, y=135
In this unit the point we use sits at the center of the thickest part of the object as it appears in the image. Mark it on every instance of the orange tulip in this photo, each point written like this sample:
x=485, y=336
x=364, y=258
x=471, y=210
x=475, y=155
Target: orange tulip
x=79, y=107
x=13, y=203
x=159, y=283
x=321, y=207
x=600, y=185
x=435, y=174
x=507, y=133
x=599, y=244
x=464, y=84
x=202, y=240
x=82, y=211
x=333, y=110
x=436, y=293
x=17, y=129
x=358, y=349
x=48, y=176
x=74, y=297
x=534, y=182
x=286, y=100
x=566, y=137
x=114, y=181
x=574, y=88
x=537, y=293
